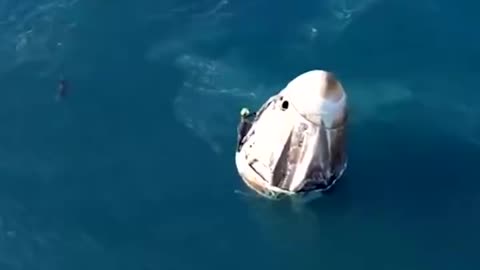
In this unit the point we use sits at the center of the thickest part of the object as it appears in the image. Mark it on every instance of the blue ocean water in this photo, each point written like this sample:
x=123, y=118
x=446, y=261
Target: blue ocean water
x=134, y=169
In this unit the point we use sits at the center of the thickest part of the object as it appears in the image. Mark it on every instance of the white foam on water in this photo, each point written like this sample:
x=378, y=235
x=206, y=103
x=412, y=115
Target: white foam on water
x=329, y=27
x=168, y=11
x=212, y=95
x=200, y=27
x=31, y=32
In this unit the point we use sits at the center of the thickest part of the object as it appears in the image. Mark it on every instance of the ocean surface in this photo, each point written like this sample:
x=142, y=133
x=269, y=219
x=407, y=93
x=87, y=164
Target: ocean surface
x=134, y=168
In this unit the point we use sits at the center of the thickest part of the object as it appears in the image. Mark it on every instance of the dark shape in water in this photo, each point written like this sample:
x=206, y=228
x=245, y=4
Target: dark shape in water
x=61, y=89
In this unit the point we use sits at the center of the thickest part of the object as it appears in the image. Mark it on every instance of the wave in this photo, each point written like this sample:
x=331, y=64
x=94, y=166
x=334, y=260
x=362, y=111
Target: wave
x=33, y=32
x=212, y=95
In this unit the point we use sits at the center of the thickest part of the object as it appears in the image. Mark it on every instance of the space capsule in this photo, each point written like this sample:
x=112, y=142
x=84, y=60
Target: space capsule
x=295, y=144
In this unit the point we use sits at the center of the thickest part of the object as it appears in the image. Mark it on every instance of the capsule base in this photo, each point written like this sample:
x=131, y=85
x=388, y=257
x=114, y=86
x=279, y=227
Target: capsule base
x=255, y=182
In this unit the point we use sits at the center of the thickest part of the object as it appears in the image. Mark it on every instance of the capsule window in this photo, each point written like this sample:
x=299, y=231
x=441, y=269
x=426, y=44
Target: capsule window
x=285, y=105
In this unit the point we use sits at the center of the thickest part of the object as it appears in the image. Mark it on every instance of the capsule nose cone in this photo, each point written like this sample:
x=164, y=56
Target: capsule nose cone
x=315, y=93
x=318, y=83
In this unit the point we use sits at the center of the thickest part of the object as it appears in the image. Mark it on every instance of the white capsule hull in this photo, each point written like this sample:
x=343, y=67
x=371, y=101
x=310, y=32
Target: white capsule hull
x=296, y=146
x=255, y=182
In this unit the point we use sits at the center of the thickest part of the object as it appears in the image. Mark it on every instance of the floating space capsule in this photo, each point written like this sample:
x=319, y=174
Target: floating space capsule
x=295, y=144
